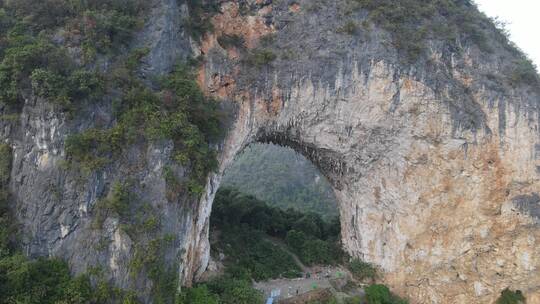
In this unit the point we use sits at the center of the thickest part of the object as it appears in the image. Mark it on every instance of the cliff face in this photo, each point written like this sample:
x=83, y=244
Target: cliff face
x=57, y=206
x=434, y=164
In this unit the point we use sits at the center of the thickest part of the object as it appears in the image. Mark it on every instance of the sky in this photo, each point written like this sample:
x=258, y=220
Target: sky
x=523, y=22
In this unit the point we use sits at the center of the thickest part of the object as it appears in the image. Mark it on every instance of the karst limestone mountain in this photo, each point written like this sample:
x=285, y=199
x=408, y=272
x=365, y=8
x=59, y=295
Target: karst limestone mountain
x=421, y=114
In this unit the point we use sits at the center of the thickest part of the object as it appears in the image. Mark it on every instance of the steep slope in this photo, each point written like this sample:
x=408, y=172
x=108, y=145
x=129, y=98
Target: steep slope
x=420, y=113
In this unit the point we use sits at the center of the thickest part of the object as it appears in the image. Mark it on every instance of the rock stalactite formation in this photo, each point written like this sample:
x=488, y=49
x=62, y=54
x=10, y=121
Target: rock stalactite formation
x=435, y=164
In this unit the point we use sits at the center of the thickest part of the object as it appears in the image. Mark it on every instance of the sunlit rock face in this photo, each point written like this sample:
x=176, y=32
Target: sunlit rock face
x=435, y=165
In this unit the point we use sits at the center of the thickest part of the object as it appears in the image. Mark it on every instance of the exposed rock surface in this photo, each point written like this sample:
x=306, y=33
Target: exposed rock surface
x=435, y=166
x=56, y=205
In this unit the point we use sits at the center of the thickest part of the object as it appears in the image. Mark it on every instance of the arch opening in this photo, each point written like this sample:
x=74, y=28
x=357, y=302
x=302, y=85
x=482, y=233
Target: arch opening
x=275, y=221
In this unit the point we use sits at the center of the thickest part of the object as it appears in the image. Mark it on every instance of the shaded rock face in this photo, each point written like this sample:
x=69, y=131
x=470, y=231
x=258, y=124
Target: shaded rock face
x=435, y=166
x=57, y=205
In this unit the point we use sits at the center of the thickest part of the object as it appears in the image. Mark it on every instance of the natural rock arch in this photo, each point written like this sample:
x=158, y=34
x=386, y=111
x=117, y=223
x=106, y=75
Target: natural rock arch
x=416, y=197
x=428, y=168
x=435, y=164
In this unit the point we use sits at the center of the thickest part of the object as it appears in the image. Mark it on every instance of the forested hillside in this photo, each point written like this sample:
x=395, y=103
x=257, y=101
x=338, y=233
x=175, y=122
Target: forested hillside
x=283, y=178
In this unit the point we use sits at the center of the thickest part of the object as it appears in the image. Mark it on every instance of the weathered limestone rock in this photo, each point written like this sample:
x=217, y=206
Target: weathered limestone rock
x=436, y=177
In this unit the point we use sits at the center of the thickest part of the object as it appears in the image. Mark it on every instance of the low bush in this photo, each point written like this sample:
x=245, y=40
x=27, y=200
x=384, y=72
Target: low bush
x=312, y=250
x=362, y=270
x=511, y=297
x=348, y=28
x=7, y=229
x=235, y=291
x=197, y=295
x=523, y=71
x=261, y=57
x=199, y=21
x=380, y=294
x=5, y=164
x=149, y=258
x=40, y=281
x=227, y=41
x=353, y=300
x=224, y=290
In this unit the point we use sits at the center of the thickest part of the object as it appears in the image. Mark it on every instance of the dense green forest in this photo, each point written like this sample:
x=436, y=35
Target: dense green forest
x=283, y=178
x=256, y=239
x=248, y=232
x=246, y=223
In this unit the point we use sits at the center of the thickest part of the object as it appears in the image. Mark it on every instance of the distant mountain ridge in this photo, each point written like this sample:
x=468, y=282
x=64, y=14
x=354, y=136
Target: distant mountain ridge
x=283, y=178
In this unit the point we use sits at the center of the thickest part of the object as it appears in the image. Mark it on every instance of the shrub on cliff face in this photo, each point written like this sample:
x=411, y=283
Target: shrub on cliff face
x=5, y=164
x=380, y=294
x=350, y=27
x=227, y=41
x=362, y=270
x=511, y=297
x=523, y=71
x=197, y=295
x=7, y=230
x=261, y=57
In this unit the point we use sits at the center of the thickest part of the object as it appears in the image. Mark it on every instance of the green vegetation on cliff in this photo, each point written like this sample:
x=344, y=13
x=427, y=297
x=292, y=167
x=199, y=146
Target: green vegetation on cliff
x=380, y=294
x=178, y=112
x=74, y=54
x=40, y=281
x=451, y=26
x=511, y=297
x=56, y=49
x=38, y=38
x=7, y=229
